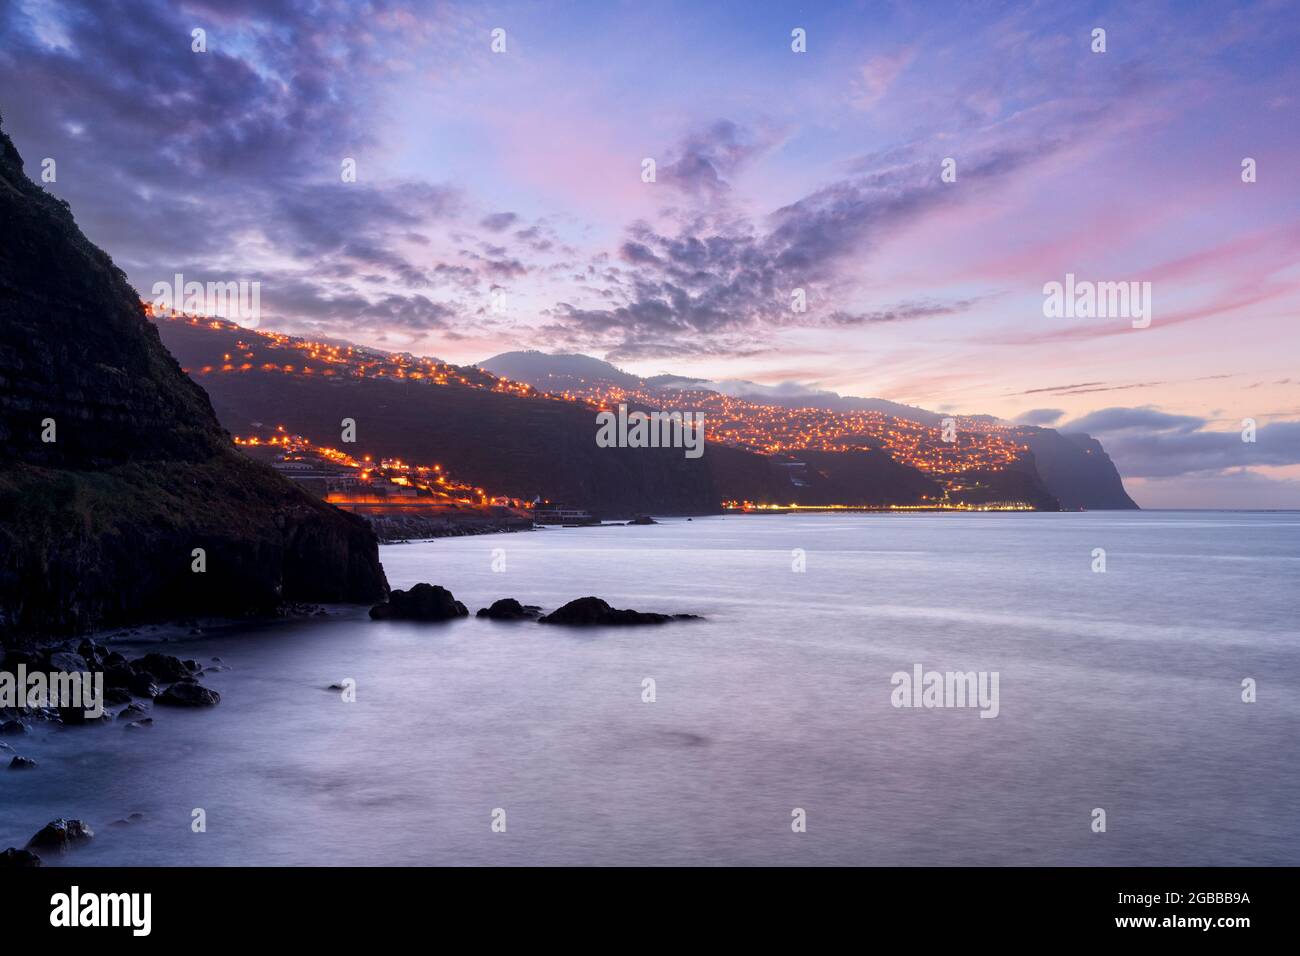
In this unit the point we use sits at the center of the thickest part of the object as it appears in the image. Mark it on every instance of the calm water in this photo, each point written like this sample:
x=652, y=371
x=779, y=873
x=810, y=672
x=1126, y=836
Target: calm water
x=1119, y=690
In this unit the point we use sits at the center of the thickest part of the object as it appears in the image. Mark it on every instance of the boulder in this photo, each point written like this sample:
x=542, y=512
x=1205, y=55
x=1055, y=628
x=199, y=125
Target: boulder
x=164, y=667
x=592, y=611
x=12, y=728
x=132, y=712
x=15, y=859
x=114, y=696
x=61, y=834
x=93, y=653
x=118, y=675
x=643, y=519
x=22, y=763
x=66, y=662
x=508, y=609
x=424, y=602
x=142, y=685
x=188, y=693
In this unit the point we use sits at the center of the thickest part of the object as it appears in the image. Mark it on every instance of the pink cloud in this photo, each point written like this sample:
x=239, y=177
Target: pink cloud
x=878, y=75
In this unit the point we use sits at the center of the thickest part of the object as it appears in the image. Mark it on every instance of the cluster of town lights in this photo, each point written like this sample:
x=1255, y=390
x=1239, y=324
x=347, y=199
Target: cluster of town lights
x=977, y=446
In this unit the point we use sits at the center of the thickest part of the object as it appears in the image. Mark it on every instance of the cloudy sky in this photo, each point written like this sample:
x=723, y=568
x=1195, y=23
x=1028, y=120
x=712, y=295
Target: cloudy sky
x=500, y=200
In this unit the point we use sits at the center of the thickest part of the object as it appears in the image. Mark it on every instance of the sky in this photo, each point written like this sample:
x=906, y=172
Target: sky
x=501, y=198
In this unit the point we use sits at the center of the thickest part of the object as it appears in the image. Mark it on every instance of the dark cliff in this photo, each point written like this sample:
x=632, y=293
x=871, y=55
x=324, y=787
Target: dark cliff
x=97, y=526
x=1077, y=470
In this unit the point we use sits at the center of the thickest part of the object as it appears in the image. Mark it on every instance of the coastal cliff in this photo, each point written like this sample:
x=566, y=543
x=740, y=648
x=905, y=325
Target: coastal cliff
x=113, y=467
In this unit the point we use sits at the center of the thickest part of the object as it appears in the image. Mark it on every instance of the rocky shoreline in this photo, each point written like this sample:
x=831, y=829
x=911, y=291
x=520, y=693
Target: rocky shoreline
x=403, y=528
x=131, y=693
x=137, y=689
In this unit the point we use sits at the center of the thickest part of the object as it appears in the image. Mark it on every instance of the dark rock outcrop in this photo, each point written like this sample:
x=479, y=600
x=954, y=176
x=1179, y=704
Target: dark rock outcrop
x=393, y=528
x=188, y=693
x=66, y=662
x=142, y=685
x=592, y=611
x=116, y=696
x=424, y=602
x=22, y=763
x=1077, y=470
x=164, y=667
x=61, y=834
x=508, y=609
x=98, y=526
x=643, y=519
x=15, y=859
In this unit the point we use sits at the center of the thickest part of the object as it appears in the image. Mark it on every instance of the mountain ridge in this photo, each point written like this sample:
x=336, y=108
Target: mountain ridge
x=513, y=441
x=1074, y=467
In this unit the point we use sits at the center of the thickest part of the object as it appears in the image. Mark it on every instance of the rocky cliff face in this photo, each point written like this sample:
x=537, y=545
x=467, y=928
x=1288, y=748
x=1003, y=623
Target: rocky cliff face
x=113, y=468
x=1077, y=470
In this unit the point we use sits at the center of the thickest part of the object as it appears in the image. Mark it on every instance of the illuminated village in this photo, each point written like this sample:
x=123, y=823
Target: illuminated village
x=298, y=356
x=361, y=484
x=980, y=446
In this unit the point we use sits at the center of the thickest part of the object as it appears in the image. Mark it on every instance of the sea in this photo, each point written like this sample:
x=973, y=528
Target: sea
x=1146, y=666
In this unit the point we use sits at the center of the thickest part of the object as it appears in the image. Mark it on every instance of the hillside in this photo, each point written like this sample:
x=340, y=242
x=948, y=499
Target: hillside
x=482, y=431
x=506, y=439
x=1074, y=470
x=115, y=467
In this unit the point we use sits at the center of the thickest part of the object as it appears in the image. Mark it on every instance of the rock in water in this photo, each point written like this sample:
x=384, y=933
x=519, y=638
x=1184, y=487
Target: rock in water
x=589, y=611
x=115, y=696
x=643, y=519
x=424, y=602
x=15, y=859
x=164, y=667
x=188, y=693
x=98, y=526
x=22, y=763
x=59, y=835
x=508, y=609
